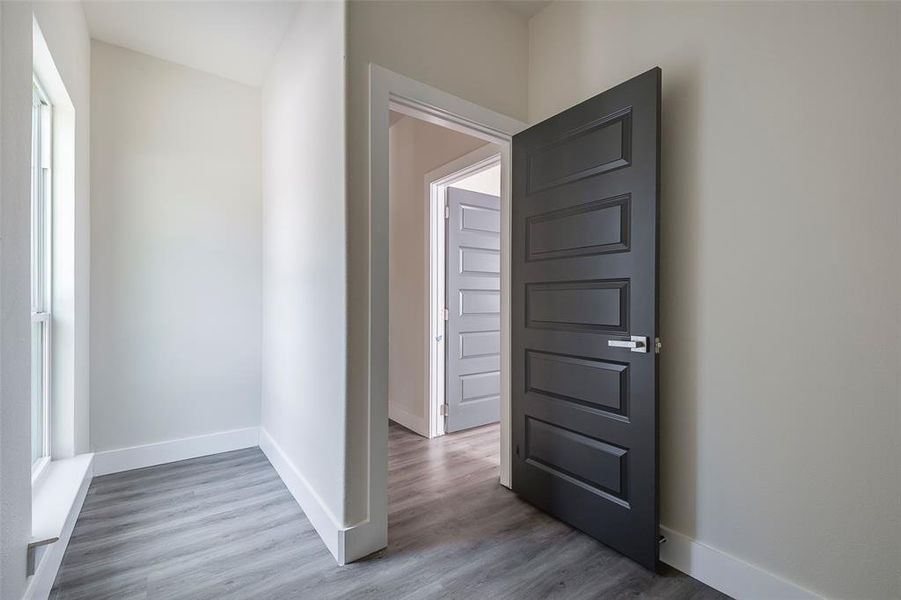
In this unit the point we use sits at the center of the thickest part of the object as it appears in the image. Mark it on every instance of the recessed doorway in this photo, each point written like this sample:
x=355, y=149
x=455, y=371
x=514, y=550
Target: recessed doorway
x=444, y=278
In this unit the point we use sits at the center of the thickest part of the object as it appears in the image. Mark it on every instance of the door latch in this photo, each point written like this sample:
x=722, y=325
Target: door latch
x=637, y=343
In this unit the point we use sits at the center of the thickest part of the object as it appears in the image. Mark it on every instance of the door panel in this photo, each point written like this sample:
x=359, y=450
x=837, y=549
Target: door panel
x=585, y=202
x=474, y=306
x=592, y=383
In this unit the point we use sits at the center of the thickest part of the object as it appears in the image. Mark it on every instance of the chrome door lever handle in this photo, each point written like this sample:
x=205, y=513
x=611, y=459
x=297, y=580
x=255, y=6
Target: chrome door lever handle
x=638, y=343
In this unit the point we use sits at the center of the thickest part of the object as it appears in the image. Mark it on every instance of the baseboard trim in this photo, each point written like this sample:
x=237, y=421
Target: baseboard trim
x=362, y=539
x=41, y=583
x=149, y=455
x=416, y=424
x=725, y=572
x=322, y=519
x=716, y=568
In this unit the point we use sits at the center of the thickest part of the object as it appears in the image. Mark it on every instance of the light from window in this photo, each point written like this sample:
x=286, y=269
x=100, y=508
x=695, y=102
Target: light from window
x=40, y=276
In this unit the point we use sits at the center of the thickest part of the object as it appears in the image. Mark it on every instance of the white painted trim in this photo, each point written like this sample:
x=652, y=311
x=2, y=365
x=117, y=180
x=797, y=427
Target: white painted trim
x=391, y=91
x=39, y=470
x=436, y=184
x=412, y=422
x=40, y=584
x=61, y=361
x=346, y=544
x=324, y=522
x=148, y=455
x=725, y=572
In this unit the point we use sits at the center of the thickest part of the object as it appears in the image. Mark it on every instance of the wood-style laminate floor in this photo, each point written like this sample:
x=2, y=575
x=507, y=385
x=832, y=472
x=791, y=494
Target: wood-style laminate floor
x=224, y=527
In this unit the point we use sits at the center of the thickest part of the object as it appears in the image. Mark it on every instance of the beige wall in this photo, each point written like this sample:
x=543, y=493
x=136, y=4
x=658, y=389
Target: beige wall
x=176, y=266
x=779, y=270
x=478, y=51
x=416, y=148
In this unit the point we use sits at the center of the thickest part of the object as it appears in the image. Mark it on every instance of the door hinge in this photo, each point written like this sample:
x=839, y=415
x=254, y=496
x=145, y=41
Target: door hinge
x=442, y=410
x=661, y=539
x=658, y=345
x=446, y=211
x=446, y=314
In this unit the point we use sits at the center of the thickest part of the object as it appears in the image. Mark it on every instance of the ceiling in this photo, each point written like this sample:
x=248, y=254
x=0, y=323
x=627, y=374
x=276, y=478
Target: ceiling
x=233, y=39
x=236, y=40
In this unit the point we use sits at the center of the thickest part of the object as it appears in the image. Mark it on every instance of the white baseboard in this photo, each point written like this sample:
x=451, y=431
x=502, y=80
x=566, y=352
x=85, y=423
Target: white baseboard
x=346, y=544
x=322, y=519
x=148, y=455
x=363, y=539
x=418, y=424
x=41, y=583
x=725, y=572
x=716, y=568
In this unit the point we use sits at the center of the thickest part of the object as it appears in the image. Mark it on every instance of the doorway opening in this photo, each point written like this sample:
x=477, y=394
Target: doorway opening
x=444, y=278
x=392, y=92
x=464, y=264
x=444, y=307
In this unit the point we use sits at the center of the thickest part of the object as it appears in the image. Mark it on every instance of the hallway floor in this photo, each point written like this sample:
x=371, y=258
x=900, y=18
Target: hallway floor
x=225, y=527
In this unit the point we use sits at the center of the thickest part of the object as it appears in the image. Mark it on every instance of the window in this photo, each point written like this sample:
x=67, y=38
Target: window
x=40, y=277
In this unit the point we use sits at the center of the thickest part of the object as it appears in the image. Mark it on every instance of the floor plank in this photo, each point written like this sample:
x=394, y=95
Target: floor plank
x=224, y=527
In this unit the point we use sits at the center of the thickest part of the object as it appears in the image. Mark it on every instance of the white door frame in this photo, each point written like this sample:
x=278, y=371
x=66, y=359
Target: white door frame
x=391, y=91
x=436, y=184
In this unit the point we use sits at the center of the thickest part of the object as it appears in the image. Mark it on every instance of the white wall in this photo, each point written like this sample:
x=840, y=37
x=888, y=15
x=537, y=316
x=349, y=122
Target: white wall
x=779, y=385
x=176, y=264
x=304, y=262
x=484, y=182
x=66, y=34
x=15, y=305
x=415, y=148
x=477, y=51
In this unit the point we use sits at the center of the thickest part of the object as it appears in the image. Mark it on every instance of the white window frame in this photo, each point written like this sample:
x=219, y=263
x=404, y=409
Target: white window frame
x=41, y=267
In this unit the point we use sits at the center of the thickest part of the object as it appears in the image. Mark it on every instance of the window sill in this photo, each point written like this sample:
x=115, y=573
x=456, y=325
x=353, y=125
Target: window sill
x=38, y=470
x=56, y=500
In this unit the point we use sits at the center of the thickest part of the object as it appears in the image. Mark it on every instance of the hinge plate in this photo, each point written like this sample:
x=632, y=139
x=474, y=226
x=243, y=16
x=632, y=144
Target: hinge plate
x=446, y=211
x=442, y=410
x=446, y=314
x=658, y=345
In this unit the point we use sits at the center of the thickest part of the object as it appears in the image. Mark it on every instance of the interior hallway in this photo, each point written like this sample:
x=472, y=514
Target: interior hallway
x=225, y=527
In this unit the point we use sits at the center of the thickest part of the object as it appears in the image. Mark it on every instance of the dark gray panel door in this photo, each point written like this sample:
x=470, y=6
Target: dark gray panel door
x=474, y=306
x=584, y=316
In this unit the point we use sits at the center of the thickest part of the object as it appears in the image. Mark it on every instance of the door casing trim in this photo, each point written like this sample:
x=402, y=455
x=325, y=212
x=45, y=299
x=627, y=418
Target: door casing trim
x=389, y=90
